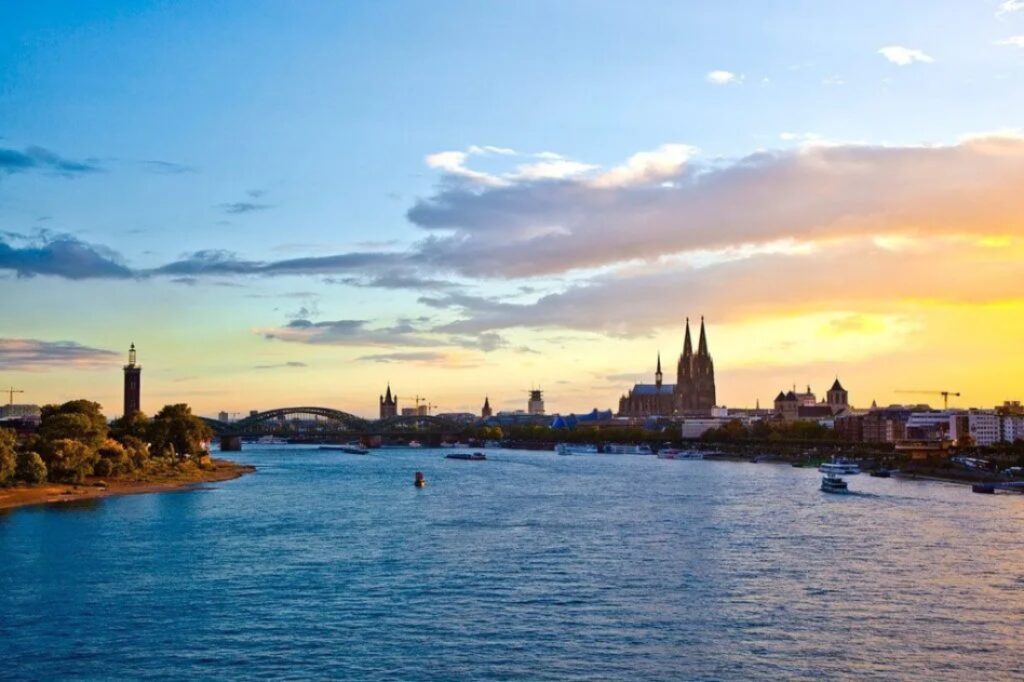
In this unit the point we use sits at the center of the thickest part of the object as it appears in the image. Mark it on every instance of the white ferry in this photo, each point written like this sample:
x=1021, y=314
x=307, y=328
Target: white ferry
x=672, y=453
x=576, y=449
x=839, y=467
x=831, y=483
x=615, y=449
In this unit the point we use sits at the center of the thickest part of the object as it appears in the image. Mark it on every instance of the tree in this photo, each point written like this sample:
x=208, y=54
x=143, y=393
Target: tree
x=134, y=424
x=79, y=420
x=137, y=451
x=175, y=430
x=113, y=459
x=30, y=468
x=69, y=461
x=7, y=460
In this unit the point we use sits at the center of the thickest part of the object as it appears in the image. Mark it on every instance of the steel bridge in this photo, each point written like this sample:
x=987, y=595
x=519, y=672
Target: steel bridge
x=328, y=421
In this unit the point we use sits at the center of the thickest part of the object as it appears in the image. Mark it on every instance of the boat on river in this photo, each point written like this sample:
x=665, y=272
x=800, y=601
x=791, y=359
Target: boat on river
x=474, y=457
x=831, y=483
x=839, y=467
x=350, y=448
x=617, y=449
x=576, y=449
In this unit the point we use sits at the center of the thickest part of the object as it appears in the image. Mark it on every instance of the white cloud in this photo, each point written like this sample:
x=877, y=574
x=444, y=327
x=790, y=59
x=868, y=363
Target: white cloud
x=1013, y=41
x=720, y=77
x=659, y=165
x=491, y=149
x=554, y=169
x=551, y=156
x=1007, y=6
x=904, y=56
x=630, y=214
x=454, y=163
x=833, y=80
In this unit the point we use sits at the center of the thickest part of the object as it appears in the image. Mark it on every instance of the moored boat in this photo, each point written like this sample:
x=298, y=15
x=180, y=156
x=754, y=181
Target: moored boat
x=618, y=449
x=474, y=457
x=576, y=449
x=350, y=448
x=839, y=467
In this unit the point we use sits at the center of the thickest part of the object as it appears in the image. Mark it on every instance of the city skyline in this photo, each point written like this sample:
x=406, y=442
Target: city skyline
x=463, y=203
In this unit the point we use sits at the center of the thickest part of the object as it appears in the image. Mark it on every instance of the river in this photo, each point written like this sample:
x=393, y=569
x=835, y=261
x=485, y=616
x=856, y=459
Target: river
x=526, y=566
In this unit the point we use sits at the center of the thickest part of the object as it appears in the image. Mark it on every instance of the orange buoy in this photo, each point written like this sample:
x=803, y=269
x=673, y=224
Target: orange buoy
x=419, y=481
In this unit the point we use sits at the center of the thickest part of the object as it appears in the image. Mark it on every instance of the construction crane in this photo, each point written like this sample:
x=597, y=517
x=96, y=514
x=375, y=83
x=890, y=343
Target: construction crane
x=945, y=395
x=10, y=392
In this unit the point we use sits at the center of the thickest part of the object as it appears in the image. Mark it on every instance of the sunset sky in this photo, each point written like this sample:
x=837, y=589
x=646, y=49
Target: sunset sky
x=295, y=203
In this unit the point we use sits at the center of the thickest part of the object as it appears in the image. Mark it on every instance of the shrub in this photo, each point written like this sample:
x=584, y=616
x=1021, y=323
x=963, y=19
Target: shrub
x=30, y=468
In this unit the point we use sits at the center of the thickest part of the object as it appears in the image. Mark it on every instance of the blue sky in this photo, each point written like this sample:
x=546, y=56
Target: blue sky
x=283, y=130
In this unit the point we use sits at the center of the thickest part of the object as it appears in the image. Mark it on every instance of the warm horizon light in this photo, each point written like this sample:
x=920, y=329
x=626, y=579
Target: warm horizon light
x=305, y=203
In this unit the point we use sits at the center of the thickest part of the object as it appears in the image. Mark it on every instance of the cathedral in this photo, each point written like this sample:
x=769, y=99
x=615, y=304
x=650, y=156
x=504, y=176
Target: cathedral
x=693, y=392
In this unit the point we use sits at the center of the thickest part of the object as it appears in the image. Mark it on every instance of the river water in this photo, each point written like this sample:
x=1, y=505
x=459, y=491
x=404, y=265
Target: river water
x=528, y=566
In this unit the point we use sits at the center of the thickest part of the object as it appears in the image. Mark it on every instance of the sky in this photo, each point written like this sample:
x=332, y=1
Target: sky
x=297, y=203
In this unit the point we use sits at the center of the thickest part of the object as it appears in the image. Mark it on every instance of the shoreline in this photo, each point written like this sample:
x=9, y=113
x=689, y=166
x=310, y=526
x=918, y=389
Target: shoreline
x=94, y=487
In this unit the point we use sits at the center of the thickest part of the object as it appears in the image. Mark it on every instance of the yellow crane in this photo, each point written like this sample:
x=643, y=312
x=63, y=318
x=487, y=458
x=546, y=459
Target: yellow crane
x=10, y=392
x=945, y=395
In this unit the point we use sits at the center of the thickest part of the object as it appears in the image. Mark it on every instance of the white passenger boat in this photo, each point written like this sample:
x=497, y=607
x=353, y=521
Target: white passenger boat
x=831, y=483
x=673, y=453
x=839, y=467
x=576, y=449
x=271, y=440
x=617, y=449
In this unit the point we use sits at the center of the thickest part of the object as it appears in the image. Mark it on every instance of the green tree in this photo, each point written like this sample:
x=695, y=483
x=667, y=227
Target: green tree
x=137, y=451
x=113, y=459
x=134, y=425
x=30, y=468
x=176, y=431
x=69, y=461
x=7, y=460
x=79, y=420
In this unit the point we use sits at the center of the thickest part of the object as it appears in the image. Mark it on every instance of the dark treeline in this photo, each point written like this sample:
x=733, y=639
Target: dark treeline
x=74, y=441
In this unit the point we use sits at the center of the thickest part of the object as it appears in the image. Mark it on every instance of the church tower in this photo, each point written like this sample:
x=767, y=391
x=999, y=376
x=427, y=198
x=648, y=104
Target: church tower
x=132, y=384
x=486, y=411
x=837, y=397
x=388, y=405
x=658, y=376
x=703, y=374
x=684, y=373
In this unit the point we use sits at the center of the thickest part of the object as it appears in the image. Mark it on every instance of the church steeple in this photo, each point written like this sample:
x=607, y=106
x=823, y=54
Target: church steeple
x=658, y=374
x=687, y=345
x=702, y=345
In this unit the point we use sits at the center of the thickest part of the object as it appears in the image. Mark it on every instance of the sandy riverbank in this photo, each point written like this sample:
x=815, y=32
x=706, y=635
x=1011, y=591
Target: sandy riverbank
x=94, y=487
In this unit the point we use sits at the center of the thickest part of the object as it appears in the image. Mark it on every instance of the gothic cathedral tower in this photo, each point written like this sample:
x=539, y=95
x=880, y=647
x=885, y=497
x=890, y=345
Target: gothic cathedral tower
x=703, y=374
x=684, y=374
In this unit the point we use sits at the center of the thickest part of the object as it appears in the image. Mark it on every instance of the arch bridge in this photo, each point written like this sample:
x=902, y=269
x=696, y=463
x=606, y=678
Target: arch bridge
x=282, y=421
